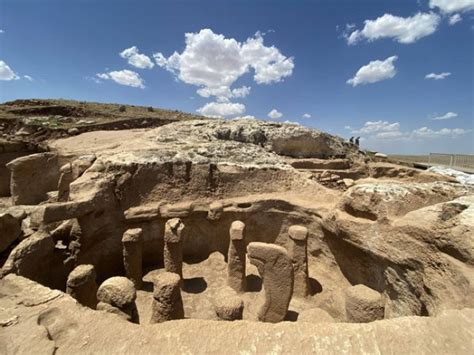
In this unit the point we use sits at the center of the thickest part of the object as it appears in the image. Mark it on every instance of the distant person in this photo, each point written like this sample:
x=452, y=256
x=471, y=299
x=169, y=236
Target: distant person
x=351, y=140
x=357, y=141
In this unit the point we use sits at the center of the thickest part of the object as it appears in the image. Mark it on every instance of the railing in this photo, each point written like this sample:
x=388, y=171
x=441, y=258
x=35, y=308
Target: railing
x=462, y=162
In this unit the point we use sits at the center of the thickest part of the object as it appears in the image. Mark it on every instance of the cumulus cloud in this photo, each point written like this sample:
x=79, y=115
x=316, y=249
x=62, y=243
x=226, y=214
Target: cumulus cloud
x=454, y=19
x=446, y=116
x=376, y=126
x=221, y=109
x=136, y=59
x=384, y=131
x=439, y=76
x=6, y=73
x=274, y=114
x=450, y=6
x=425, y=132
x=124, y=77
x=27, y=77
x=214, y=63
x=401, y=29
x=2, y=31
x=224, y=93
x=306, y=115
x=375, y=71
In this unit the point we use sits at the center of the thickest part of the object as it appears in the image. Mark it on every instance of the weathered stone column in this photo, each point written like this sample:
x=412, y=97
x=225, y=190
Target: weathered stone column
x=276, y=270
x=167, y=302
x=173, y=251
x=132, y=242
x=236, y=257
x=117, y=295
x=81, y=285
x=298, y=252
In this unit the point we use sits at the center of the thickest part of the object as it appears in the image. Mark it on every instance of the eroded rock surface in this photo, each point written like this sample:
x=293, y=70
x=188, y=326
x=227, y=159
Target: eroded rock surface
x=51, y=322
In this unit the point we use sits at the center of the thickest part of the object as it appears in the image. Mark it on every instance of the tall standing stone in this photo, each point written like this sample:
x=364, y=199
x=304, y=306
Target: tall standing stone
x=236, y=257
x=173, y=250
x=132, y=242
x=167, y=302
x=298, y=252
x=81, y=285
x=276, y=270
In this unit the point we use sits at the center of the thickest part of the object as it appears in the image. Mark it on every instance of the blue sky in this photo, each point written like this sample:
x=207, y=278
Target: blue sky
x=293, y=58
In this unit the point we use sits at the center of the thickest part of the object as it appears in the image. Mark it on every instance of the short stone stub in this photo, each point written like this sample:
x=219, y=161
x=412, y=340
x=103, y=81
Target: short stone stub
x=298, y=232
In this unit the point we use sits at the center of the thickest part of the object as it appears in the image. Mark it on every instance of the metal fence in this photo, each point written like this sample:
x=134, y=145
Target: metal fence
x=462, y=162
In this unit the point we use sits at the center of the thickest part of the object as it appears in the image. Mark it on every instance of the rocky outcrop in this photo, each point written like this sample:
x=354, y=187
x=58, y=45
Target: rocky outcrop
x=32, y=177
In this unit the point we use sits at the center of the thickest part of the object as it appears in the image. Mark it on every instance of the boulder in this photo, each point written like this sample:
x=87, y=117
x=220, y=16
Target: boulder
x=363, y=304
x=32, y=176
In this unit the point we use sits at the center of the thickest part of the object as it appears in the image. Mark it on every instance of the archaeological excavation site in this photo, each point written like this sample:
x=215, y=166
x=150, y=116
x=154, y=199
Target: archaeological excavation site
x=173, y=233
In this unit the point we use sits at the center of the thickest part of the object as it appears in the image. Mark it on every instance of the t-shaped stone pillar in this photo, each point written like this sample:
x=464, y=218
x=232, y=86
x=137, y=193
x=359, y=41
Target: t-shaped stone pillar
x=276, y=270
x=236, y=257
x=132, y=242
x=173, y=251
x=82, y=286
x=167, y=302
x=298, y=252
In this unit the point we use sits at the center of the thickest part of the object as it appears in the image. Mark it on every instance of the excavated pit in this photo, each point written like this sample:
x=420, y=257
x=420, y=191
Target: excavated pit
x=354, y=238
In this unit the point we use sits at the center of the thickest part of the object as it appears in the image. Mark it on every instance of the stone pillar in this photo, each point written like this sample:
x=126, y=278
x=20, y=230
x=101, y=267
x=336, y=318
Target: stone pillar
x=298, y=252
x=173, y=251
x=65, y=179
x=117, y=295
x=276, y=270
x=236, y=257
x=167, y=303
x=132, y=242
x=81, y=285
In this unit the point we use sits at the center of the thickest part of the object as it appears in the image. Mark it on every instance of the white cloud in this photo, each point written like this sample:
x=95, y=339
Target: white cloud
x=306, y=115
x=450, y=6
x=27, y=77
x=446, y=116
x=2, y=31
x=376, y=126
x=375, y=71
x=274, y=114
x=439, y=76
x=224, y=93
x=136, y=59
x=386, y=131
x=403, y=30
x=454, y=19
x=425, y=132
x=214, y=63
x=6, y=73
x=221, y=109
x=124, y=77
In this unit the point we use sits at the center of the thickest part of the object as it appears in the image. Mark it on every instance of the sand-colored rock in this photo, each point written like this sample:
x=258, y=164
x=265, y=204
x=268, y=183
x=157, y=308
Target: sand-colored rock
x=276, y=269
x=167, y=303
x=32, y=176
x=132, y=241
x=46, y=321
x=363, y=304
x=117, y=295
x=236, y=257
x=228, y=305
x=81, y=285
